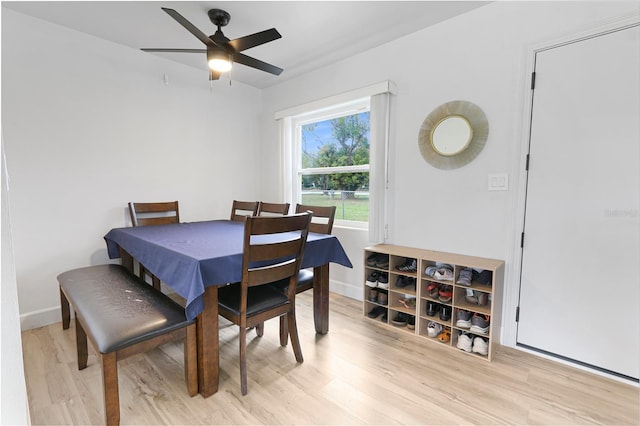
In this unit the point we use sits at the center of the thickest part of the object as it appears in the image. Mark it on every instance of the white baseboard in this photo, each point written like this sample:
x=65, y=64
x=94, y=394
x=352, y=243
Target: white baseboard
x=41, y=318
x=346, y=289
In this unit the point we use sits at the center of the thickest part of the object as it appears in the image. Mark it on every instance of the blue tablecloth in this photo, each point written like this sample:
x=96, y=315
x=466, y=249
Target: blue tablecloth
x=191, y=256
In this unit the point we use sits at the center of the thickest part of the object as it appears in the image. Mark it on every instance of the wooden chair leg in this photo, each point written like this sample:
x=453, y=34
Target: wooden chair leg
x=191, y=360
x=81, y=346
x=284, y=331
x=66, y=313
x=293, y=334
x=109, y=366
x=243, y=360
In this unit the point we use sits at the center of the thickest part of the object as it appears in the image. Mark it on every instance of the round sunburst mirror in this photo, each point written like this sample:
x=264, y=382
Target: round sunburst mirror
x=453, y=134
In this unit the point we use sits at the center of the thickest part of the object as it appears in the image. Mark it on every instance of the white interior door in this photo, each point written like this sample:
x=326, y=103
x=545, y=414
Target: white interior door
x=579, y=289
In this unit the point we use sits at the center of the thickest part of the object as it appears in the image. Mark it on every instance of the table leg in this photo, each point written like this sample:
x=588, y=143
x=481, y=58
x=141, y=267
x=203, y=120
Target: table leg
x=126, y=259
x=321, y=298
x=208, y=344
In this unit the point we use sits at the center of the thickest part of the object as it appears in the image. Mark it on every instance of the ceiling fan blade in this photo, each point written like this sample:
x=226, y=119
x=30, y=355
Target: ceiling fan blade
x=253, y=40
x=175, y=50
x=243, y=59
x=190, y=27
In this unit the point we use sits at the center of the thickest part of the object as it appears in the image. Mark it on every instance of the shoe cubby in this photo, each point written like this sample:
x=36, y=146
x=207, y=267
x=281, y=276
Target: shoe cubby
x=437, y=289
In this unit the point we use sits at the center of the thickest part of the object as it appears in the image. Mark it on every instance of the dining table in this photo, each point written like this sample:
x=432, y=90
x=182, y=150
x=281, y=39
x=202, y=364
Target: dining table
x=196, y=258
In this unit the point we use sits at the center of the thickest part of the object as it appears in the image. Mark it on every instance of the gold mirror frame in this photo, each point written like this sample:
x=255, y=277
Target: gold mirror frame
x=479, y=133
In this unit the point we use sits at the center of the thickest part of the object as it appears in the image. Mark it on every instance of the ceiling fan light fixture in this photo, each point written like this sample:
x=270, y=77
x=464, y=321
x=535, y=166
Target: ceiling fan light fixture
x=218, y=60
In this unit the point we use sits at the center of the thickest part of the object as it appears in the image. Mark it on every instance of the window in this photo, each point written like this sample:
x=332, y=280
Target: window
x=331, y=160
x=335, y=153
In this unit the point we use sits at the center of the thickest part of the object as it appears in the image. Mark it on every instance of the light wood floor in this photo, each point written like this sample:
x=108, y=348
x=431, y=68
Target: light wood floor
x=359, y=373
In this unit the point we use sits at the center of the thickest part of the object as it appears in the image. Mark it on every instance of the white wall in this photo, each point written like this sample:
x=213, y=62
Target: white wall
x=90, y=125
x=479, y=57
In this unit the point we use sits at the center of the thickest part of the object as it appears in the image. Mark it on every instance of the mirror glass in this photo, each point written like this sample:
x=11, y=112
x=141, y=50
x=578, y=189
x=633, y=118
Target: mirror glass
x=451, y=135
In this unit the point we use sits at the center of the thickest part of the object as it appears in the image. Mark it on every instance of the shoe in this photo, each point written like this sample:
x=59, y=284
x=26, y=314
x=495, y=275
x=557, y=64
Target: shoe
x=400, y=319
x=385, y=316
x=371, y=260
x=410, y=265
x=410, y=283
x=463, y=318
x=382, y=261
x=432, y=308
x=477, y=297
x=444, y=273
x=372, y=280
x=411, y=323
x=464, y=278
x=401, y=282
x=383, y=280
x=373, y=295
x=408, y=302
x=445, y=293
x=445, y=336
x=484, y=277
x=376, y=312
x=464, y=342
x=430, y=270
x=383, y=298
x=433, y=329
x=433, y=289
x=480, y=323
x=480, y=346
x=445, y=313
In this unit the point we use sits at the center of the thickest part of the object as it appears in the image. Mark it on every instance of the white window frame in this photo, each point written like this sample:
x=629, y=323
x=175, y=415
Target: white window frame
x=340, y=110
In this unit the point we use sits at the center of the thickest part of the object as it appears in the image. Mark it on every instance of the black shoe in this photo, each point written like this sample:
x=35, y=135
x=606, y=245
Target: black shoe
x=376, y=312
x=432, y=307
x=401, y=282
x=445, y=313
x=400, y=319
x=385, y=316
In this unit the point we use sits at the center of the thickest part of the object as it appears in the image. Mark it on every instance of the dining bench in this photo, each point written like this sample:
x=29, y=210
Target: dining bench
x=122, y=316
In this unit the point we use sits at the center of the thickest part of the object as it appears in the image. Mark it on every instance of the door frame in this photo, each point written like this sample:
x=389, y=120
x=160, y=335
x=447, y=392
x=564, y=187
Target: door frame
x=512, y=291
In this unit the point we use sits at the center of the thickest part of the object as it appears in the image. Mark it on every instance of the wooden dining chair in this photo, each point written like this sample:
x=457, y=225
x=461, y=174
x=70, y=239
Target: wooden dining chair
x=273, y=209
x=242, y=209
x=145, y=214
x=321, y=223
x=271, y=257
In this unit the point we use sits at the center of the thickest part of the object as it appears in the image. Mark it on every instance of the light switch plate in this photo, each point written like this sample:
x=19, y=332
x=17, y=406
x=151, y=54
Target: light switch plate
x=498, y=182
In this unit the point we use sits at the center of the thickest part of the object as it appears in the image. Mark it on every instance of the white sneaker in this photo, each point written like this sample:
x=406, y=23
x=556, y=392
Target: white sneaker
x=433, y=329
x=480, y=346
x=464, y=342
x=372, y=280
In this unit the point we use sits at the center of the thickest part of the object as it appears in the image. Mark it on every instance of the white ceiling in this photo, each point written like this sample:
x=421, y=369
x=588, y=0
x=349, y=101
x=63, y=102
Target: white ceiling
x=314, y=33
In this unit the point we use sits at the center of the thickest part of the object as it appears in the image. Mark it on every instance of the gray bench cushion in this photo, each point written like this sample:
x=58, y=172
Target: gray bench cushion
x=117, y=308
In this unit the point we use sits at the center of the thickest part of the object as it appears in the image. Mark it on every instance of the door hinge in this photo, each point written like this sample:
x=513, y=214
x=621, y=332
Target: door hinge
x=526, y=166
x=522, y=240
x=533, y=80
x=518, y=314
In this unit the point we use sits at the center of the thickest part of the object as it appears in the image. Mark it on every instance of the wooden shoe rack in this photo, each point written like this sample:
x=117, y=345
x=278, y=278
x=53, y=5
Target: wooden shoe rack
x=397, y=256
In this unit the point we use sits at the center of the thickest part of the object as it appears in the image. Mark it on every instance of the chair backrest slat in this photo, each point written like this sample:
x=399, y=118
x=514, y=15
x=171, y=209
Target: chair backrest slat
x=273, y=209
x=161, y=213
x=278, y=253
x=242, y=209
x=323, y=216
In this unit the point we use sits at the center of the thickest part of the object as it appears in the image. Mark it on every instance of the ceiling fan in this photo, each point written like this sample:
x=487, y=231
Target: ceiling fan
x=222, y=52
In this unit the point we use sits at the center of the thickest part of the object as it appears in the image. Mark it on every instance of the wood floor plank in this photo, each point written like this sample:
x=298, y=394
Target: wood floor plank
x=361, y=372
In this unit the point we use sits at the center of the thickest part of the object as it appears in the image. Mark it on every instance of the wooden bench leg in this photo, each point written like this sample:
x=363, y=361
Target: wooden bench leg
x=81, y=345
x=191, y=360
x=156, y=282
x=109, y=366
x=64, y=307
